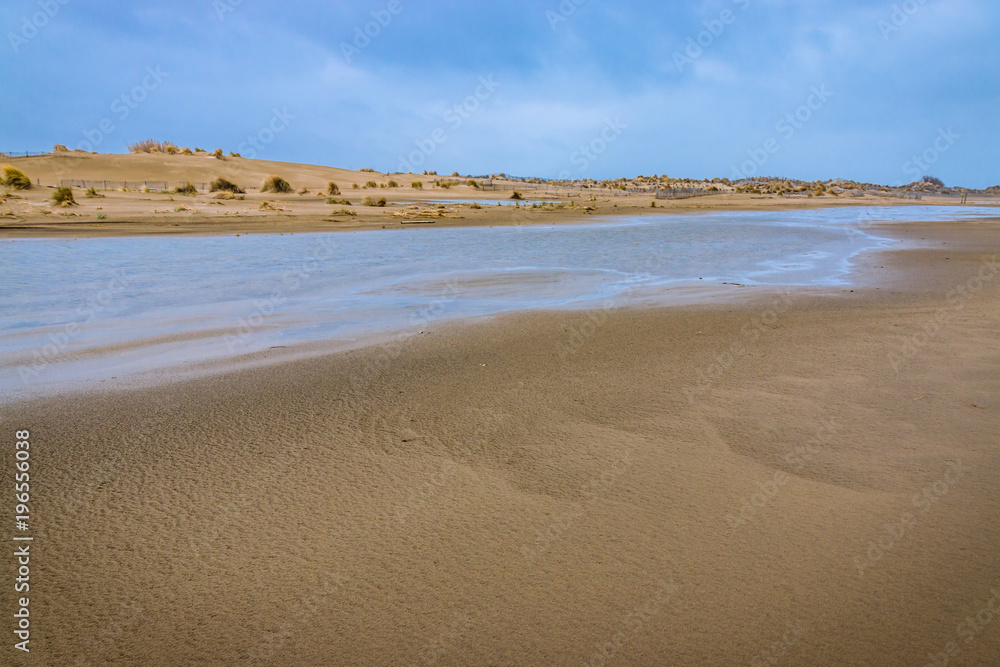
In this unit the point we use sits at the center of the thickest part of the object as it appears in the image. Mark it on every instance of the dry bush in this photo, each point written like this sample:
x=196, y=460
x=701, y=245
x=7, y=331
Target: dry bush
x=341, y=202
x=332, y=189
x=417, y=185
x=276, y=184
x=63, y=196
x=224, y=185
x=147, y=146
x=218, y=154
x=59, y=148
x=92, y=193
x=15, y=178
x=187, y=189
x=371, y=201
x=343, y=211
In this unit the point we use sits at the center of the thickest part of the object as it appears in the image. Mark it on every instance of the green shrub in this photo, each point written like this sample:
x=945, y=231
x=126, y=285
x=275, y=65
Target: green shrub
x=276, y=184
x=15, y=178
x=225, y=185
x=371, y=201
x=101, y=216
x=332, y=189
x=63, y=196
x=187, y=189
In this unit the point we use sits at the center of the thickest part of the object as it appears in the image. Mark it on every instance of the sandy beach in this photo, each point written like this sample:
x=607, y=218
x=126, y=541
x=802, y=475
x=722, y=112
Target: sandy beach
x=806, y=477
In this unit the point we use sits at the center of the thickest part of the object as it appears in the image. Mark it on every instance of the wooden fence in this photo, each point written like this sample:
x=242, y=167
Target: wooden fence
x=128, y=185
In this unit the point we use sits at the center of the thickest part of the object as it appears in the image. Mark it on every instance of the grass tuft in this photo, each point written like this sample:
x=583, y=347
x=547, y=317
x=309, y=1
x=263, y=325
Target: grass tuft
x=187, y=189
x=371, y=201
x=276, y=184
x=225, y=185
x=63, y=196
x=15, y=178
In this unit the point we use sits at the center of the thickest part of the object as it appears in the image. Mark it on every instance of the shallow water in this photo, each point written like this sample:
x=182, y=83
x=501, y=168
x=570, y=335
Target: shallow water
x=89, y=309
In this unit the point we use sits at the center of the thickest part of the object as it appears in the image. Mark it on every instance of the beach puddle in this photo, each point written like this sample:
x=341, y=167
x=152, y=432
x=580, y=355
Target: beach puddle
x=85, y=310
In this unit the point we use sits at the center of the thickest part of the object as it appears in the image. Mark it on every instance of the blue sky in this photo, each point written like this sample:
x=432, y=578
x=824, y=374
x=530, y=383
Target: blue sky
x=814, y=89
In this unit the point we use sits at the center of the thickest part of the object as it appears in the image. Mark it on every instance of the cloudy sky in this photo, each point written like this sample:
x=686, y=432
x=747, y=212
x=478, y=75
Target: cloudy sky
x=875, y=91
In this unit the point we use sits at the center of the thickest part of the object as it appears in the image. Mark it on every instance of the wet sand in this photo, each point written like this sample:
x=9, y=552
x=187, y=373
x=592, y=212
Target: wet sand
x=685, y=485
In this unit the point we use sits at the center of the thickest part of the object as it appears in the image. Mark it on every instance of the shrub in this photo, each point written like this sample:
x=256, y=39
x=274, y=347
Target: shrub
x=342, y=202
x=147, y=146
x=454, y=173
x=472, y=183
x=371, y=185
x=933, y=180
x=187, y=151
x=199, y=150
x=224, y=185
x=392, y=184
x=474, y=205
x=268, y=206
x=218, y=154
x=517, y=196
x=369, y=171
x=332, y=189
x=417, y=185
x=229, y=195
x=101, y=216
x=304, y=190
x=371, y=201
x=59, y=148
x=63, y=196
x=15, y=178
x=172, y=150
x=343, y=211
x=91, y=193
x=276, y=184
x=232, y=154
x=187, y=189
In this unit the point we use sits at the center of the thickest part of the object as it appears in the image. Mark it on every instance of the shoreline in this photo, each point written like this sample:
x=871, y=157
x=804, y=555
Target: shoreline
x=128, y=214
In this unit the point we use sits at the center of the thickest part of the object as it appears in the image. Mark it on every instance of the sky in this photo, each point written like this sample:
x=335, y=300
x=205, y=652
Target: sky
x=883, y=92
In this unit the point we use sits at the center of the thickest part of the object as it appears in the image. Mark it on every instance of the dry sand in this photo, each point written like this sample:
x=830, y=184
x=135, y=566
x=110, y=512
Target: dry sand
x=133, y=213
x=552, y=488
